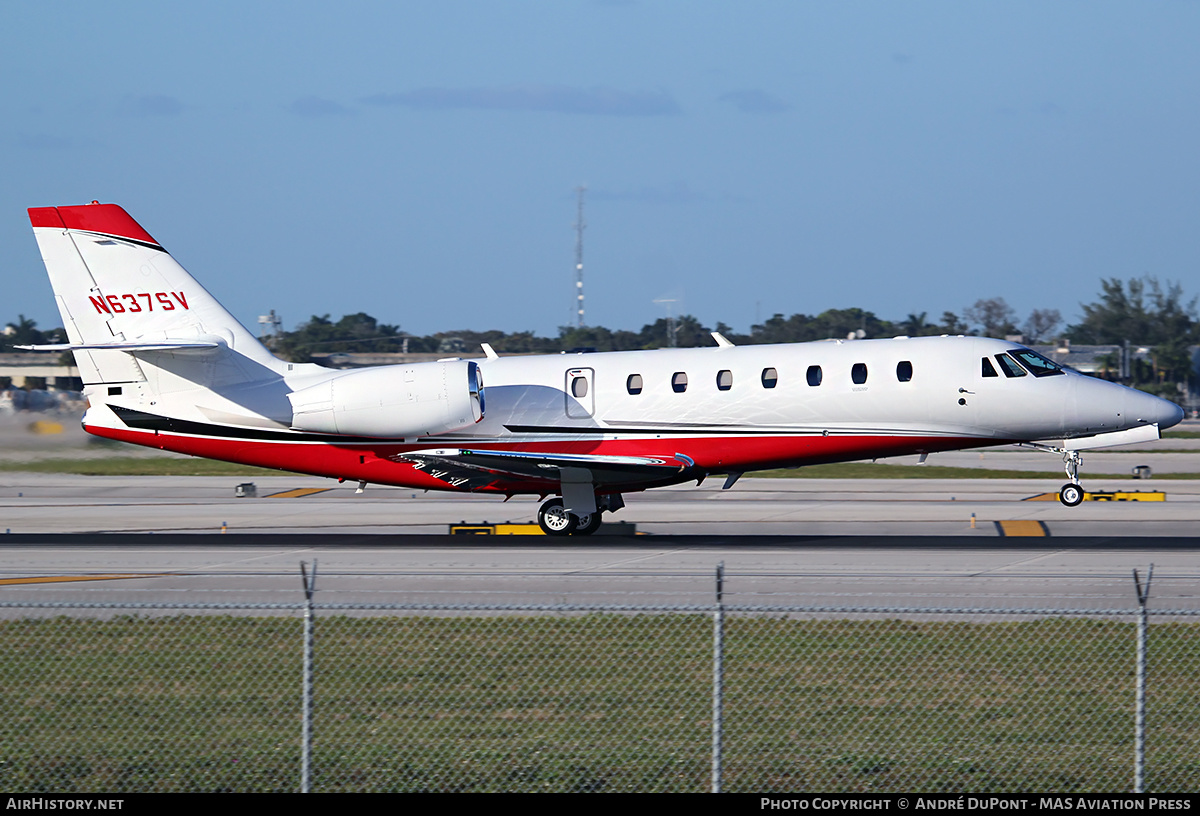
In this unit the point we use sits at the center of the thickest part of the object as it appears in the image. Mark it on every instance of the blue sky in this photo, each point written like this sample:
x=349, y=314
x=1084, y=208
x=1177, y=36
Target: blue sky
x=417, y=160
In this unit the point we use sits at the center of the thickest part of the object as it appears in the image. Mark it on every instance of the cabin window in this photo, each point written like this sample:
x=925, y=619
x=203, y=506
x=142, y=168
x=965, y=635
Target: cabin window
x=1009, y=366
x=579, y=387
x=679, y=382
x=859, y=373
x=770, y=378
x=904, y=371
x=814, y=375
x=634, y=384
x=724, y=380
x=988, y=369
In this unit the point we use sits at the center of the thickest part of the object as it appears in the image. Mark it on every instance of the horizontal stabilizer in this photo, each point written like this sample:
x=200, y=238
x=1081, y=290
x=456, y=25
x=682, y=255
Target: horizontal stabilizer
x=166, y=345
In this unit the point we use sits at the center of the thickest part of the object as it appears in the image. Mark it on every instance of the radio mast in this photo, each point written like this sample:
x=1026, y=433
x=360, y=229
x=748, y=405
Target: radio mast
x=579, y=227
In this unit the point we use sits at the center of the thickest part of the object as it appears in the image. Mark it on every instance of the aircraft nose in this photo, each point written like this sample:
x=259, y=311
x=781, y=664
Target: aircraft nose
x=1148, y=408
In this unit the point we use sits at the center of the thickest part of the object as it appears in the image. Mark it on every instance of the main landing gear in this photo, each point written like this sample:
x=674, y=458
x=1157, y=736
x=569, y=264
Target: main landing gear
x=555, y=520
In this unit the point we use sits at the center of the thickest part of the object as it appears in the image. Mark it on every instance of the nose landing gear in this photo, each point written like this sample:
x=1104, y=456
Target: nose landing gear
x=1071, y=494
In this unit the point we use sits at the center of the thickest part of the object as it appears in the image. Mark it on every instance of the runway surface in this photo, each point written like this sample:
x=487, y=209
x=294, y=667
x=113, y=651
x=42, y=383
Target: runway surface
x=43, y=503
x=862, y=542
x=857, y=571
x=842, y=571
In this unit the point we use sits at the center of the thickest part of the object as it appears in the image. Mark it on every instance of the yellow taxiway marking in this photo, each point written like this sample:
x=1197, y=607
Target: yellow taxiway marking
x=1100, y=495
x=297, y=493
x=1127, y=495
x=495, y=529
x=1023, y=527
x=61, y=579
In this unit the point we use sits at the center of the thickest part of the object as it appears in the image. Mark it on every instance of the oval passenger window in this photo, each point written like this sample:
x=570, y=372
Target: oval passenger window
x=770, y=377
x=579, y=386
x=859, y=373
x=904, y=371
x=814, y=375
x=679, y=382
x=724, y=380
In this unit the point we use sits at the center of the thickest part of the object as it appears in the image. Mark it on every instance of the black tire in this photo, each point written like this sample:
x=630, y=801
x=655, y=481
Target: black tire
x=586, y=525
x=1071, y=495
x=555, y=520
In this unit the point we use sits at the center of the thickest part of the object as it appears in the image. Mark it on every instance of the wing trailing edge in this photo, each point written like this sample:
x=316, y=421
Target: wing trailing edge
x=482, y=469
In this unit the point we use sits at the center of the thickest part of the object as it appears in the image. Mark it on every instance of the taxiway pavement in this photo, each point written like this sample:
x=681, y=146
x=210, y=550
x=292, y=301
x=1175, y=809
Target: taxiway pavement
x=46, y=503
x=245, y=570
x=862, y=542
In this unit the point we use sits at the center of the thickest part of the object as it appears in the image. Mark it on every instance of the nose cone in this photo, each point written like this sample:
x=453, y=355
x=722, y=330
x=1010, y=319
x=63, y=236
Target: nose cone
x=1147, y=408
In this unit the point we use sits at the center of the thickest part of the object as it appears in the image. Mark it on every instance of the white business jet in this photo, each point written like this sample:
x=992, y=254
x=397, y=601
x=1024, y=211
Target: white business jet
x=164, y=365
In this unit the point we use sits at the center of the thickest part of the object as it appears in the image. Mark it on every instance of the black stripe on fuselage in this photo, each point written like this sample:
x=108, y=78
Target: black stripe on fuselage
x=142, y=420
x=153, y=422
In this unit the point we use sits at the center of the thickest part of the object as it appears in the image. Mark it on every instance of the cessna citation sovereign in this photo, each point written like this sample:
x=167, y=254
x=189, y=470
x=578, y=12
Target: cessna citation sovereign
x=164, y=365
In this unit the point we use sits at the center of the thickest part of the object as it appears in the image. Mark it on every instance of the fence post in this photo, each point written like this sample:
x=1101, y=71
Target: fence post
x=718, y=677
x=1139, y=716
x=306, y=684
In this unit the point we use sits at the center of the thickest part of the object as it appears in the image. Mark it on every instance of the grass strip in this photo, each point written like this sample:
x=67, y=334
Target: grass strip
x=598, y=702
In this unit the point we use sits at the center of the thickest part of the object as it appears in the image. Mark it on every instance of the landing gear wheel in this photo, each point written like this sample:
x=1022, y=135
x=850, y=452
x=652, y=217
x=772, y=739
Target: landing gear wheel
x=586, y=525
x=1071, y=495
x=554, y=519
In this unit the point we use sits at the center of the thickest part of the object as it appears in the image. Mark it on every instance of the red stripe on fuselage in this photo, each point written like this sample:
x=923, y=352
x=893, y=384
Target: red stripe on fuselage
x=715, y=454
x=718, y=453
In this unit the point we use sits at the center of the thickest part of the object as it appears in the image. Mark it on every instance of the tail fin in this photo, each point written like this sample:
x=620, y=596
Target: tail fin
x=121, y=296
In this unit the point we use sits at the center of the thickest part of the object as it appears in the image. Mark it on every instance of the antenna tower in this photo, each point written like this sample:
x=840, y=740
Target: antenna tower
x=579, y=227
x=269, y=326
x=672, y=329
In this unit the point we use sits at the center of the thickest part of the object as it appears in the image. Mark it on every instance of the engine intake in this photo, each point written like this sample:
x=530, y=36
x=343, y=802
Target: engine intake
x=423, y=399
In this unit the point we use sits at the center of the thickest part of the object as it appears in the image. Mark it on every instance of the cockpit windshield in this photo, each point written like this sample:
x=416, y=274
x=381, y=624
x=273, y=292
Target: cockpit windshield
x=1038, y=365
x=1009, y=366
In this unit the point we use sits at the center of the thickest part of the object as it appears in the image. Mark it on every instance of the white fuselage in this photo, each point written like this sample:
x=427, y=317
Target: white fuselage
x=918, y=395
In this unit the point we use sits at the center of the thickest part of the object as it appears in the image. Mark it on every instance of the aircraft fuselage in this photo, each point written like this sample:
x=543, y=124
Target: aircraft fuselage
x=729, y=409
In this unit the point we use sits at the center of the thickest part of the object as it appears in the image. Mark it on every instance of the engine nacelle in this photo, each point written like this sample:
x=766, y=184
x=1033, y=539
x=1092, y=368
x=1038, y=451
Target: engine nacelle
x=423, y=399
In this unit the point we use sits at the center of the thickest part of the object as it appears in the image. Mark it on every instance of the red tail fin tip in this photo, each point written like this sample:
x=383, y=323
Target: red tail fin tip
x=106, y=219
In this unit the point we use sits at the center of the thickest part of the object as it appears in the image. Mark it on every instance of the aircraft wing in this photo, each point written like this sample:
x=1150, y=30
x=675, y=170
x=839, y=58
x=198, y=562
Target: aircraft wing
x=479, y=469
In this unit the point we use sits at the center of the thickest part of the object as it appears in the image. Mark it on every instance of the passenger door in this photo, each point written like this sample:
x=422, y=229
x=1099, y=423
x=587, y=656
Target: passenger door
x=580, y=393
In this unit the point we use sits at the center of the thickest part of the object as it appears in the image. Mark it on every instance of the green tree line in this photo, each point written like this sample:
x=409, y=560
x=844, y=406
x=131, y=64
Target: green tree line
x=1142, y=311
x=24, y=332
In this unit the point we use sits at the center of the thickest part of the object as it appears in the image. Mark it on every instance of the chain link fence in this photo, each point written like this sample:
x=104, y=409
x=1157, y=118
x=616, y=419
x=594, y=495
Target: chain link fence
x=393, y=697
